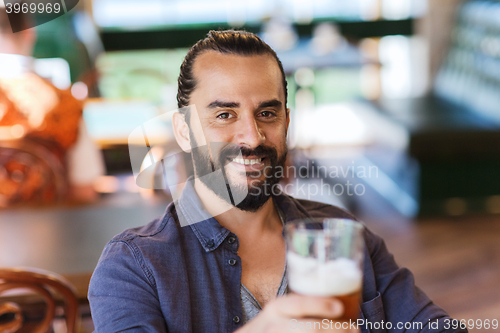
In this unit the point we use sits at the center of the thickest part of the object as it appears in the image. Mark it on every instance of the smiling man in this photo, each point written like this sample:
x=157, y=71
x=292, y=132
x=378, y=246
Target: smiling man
x=240, y=104
x=215, y=261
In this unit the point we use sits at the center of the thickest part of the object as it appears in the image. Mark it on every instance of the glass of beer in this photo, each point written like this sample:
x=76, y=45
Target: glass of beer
x=325, y=258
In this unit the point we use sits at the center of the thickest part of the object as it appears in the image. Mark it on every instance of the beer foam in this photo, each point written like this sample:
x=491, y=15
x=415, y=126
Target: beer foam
x=309, y=276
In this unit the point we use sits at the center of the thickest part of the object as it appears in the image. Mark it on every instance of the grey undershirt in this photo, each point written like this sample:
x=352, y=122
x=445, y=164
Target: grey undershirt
x=251, y=306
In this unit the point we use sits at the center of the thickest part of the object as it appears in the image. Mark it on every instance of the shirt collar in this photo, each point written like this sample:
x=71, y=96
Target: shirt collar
x=192, y=213
x=207, y=229
x=12, y=65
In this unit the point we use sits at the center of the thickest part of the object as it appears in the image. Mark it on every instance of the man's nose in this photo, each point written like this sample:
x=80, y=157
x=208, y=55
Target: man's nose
x=249, y=134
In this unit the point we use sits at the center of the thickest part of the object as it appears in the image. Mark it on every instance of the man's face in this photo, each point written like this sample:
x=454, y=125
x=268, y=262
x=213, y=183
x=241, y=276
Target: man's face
x=240, y=104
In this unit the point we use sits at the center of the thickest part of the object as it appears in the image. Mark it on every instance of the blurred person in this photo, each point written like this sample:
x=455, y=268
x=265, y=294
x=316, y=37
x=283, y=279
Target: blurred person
x=45, y=121
x=210, y=264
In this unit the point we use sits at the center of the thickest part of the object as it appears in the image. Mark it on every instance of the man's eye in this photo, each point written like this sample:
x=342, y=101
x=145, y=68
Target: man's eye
x=267, y=114
x=224, y=115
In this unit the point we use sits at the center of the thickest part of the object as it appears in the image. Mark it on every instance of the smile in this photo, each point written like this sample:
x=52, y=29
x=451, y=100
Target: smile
x=247, y=161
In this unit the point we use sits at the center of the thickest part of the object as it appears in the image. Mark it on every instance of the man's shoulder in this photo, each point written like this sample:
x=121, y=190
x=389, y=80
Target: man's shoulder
x=160, y=228
x=144, y=250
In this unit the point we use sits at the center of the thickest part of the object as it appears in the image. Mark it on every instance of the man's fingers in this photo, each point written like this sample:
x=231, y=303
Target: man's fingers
x=310, y=325
x=297, y=306
x=315, y=325
x=293, y=313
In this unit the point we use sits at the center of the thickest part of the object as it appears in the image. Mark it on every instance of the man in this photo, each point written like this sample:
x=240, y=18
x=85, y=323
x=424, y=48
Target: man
x=42, y=116
x=213, y=263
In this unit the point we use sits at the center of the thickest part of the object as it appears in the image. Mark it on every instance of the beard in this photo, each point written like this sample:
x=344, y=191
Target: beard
x=250, y=197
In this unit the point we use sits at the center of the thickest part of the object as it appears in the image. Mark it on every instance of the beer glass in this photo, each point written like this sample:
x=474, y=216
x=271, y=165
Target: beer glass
x=325, y=258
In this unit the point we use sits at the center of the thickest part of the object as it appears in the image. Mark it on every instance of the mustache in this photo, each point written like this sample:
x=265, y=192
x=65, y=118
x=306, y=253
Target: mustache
x=224, y=153
x=233, y=151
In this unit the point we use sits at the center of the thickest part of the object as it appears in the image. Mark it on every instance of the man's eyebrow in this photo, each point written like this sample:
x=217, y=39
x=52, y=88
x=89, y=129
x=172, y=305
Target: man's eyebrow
x=266, y=104
x=219, y=104
x=269, y=104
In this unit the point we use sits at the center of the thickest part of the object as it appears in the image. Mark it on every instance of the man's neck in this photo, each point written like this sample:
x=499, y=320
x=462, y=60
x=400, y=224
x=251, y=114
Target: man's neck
x=242, y=223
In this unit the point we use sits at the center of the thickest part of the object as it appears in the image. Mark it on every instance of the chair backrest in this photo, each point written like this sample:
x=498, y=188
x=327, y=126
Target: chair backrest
x=46, y=284
x=30, y=174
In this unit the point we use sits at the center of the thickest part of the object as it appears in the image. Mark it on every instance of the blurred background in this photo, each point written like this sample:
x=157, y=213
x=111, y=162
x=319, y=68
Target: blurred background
x=395, y=116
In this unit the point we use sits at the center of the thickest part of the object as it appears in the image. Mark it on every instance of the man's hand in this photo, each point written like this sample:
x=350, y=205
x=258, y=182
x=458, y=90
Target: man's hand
x=292, y=312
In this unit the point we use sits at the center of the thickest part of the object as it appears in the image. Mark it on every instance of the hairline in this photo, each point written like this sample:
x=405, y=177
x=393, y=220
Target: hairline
x=266, y=53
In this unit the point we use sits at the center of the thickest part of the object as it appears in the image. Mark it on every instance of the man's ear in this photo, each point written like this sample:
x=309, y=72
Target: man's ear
x=287, y=120
x=181, y=131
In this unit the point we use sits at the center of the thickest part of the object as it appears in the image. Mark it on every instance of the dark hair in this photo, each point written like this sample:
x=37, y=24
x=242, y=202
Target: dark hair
x=14, y=21
x=227, y=41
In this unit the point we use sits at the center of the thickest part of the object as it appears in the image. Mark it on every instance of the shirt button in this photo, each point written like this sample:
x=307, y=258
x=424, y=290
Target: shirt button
x=232, y=262
x=210, y=244
x=236, y=319
x=231, y=240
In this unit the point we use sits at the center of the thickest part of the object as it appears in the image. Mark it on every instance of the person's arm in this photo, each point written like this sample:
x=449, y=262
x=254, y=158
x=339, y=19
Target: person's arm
x=397, y=301
x=399, y=298
x=122, y=293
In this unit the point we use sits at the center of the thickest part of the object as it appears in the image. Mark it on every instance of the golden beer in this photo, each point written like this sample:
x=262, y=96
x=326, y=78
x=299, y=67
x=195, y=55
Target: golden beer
x=324, y=258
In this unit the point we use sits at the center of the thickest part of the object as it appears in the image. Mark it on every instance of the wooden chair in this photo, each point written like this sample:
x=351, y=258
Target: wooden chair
x=30, y=173
x=43, y=283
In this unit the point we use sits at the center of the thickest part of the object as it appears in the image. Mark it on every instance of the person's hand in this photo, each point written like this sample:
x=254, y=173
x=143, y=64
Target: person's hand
x=296, y=313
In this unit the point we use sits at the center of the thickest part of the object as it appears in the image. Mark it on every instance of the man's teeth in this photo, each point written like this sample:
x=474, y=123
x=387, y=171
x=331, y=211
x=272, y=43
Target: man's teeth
x=247, y=161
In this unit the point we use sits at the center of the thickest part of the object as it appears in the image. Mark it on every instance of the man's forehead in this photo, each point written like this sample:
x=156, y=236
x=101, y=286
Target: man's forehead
x=212, y=68
x=212, y=61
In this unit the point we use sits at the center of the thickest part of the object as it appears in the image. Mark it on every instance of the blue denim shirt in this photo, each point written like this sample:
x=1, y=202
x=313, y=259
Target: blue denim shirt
x=166, y=278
